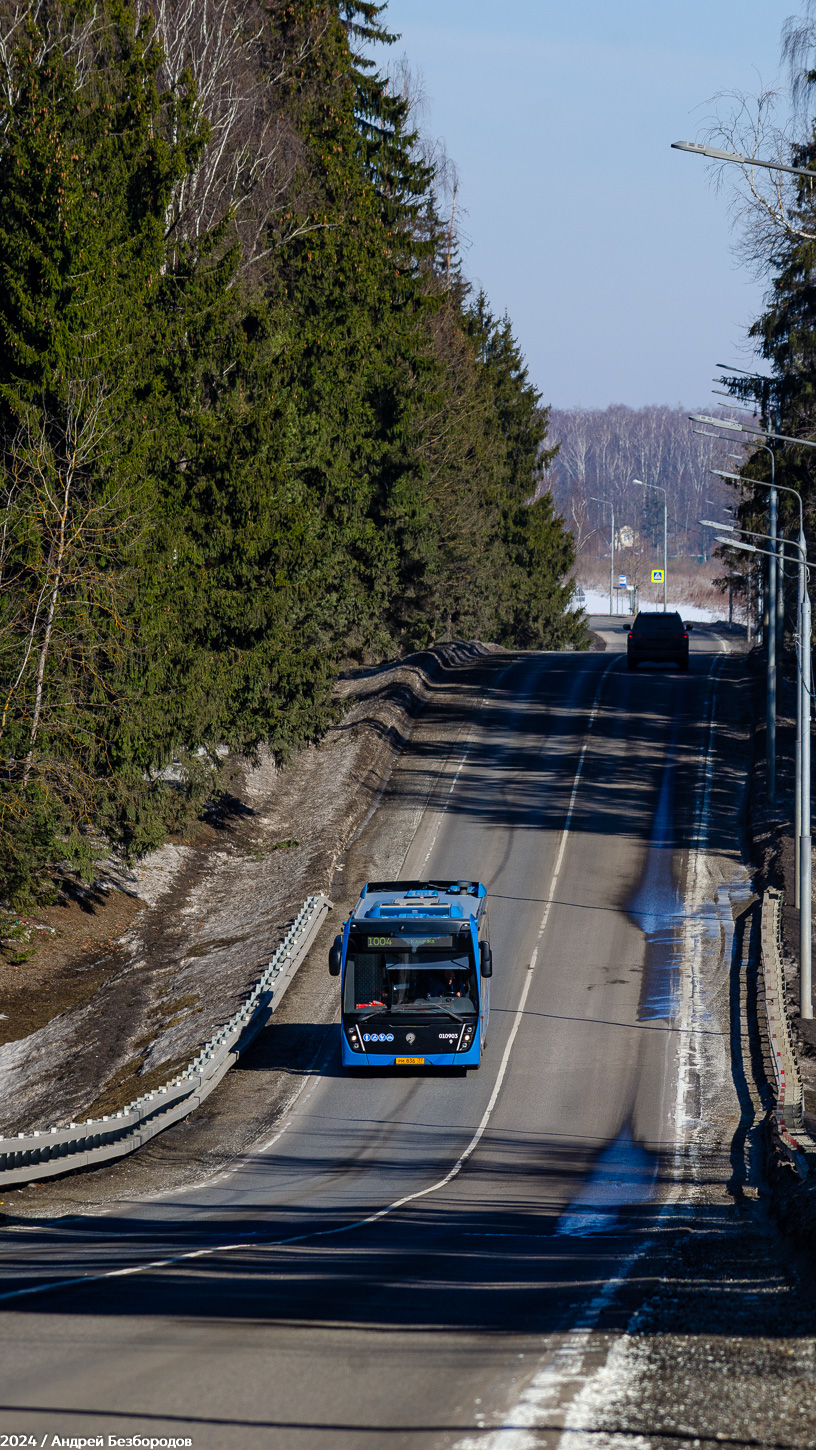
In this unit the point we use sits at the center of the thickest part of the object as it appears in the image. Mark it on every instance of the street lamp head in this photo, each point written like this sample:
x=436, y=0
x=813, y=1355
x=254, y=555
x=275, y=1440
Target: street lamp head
x=738, y=544
x=687, y=146
x=716, y=422
x=715, y=155
x=710, y=151
x=715, y=524
x=658, y=486
x=721, y=473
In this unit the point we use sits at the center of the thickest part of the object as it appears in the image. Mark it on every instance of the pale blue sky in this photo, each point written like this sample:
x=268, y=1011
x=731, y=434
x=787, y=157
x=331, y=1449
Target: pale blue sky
x=611, y=253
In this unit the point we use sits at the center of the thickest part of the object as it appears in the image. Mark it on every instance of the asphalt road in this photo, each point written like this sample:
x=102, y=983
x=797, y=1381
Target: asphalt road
x=397, y=1263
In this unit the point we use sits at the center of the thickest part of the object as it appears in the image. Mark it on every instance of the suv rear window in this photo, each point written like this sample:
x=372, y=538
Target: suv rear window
x=658, y=624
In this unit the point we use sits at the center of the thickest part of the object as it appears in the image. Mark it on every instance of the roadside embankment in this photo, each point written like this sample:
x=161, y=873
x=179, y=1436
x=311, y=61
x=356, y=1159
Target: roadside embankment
x=203, y=913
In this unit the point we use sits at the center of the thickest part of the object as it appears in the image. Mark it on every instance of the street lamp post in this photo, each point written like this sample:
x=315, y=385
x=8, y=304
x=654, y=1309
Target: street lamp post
x=611, y=507
x=773, y=610
x=773, y=557
x=802, y=704
x=662, y=490
x=779, y=621
x=775, y=591
x=733, y=427
x=805, y=842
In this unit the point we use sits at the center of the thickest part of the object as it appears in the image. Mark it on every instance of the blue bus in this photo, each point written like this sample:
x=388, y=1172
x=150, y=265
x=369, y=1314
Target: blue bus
x=415, y=964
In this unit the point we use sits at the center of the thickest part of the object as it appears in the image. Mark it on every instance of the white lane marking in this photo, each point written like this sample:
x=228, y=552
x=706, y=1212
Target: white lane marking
x=566, y=1368
x=250, y=1240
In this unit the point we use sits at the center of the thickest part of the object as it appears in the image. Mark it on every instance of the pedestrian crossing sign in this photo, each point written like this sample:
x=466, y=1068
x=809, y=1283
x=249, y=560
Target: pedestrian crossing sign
x=657, y=576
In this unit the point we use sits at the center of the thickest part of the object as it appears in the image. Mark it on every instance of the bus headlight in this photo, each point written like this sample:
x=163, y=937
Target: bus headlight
x=355, y=1040
x=466, y=1039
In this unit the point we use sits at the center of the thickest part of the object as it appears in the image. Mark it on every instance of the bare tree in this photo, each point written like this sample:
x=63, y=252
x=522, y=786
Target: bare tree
x=774, y=125
x=61, y=532
x=227, y=58
x=603, y=450
x=579, y=513
x=406, y=81
x=767, y=205
x=227, y=55
x=76, y=37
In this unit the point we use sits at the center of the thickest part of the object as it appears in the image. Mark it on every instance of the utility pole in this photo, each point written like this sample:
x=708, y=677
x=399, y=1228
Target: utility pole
x=611, y=507
x=659, y=488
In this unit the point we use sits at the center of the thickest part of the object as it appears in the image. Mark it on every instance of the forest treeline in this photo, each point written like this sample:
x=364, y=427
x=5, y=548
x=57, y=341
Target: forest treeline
x=603, y=450
x=254, y=423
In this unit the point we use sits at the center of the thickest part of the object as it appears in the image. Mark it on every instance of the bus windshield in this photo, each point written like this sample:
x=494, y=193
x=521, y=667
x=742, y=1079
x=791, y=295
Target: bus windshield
x=410, y=974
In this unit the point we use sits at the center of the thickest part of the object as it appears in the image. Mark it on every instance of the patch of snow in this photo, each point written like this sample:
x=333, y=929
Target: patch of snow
x=28, y=1062
x=156, y=873
x=596, y=601
x=260, y=778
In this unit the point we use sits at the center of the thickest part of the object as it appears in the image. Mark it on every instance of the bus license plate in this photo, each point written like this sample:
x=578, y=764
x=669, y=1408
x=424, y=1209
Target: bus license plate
x=409, y=1061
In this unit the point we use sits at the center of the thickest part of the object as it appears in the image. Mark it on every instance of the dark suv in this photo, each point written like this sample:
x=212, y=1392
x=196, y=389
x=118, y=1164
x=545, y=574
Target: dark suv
x=659, y=637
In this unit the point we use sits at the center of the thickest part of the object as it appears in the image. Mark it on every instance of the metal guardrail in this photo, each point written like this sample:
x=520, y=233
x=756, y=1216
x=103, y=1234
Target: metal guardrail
x=789, y=1123
x=36, y=1155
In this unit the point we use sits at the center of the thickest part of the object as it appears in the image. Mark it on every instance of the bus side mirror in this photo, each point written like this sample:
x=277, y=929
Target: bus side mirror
x=485, y=959
x=336, y=957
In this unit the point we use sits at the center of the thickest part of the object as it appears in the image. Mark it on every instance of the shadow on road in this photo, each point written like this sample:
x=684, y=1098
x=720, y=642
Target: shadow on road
x=522, y=759
x=491, y=1254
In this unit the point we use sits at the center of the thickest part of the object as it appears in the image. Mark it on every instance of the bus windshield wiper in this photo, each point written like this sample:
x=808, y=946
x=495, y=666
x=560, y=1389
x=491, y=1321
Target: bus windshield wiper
x=424, y=1006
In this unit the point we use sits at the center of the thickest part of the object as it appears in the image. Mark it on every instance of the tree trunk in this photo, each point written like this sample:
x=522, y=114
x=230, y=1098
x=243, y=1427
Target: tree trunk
x=49, y=627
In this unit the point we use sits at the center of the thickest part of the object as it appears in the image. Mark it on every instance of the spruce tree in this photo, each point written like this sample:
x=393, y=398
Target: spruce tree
x=228, y=474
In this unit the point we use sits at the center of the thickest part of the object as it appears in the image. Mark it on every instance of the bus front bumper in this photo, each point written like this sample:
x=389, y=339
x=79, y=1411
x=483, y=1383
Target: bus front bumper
x=470, y=1058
